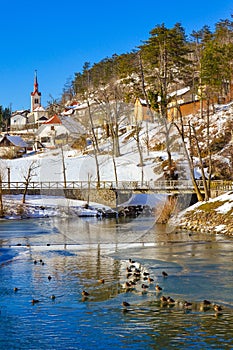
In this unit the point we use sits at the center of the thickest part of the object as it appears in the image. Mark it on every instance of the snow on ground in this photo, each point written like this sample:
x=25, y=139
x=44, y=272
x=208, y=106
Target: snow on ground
x=227, y=205
x=48, y=206
x=80, y=167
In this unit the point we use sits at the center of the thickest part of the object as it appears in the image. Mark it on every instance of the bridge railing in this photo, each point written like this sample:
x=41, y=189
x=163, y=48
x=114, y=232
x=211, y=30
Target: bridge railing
x=163, y=185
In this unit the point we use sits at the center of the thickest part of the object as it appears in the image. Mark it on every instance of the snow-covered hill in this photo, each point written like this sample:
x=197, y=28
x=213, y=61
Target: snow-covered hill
x=49, y=165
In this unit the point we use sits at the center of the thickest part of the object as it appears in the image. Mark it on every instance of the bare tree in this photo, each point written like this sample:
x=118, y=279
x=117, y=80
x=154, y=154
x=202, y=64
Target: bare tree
x=95, y=144
x=63, y=166
x=110, y=101
x=140, y=151
x=181, y=130
x=28, y=178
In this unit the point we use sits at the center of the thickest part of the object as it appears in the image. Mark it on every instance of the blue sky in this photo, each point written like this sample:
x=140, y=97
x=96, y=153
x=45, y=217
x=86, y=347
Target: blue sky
x=56, y=38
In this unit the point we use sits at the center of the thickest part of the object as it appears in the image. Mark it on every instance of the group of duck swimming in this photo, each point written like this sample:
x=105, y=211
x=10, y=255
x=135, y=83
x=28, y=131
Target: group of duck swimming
x=137, y=276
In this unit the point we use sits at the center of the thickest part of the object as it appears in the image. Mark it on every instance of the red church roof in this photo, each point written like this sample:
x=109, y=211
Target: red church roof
x=53, y=120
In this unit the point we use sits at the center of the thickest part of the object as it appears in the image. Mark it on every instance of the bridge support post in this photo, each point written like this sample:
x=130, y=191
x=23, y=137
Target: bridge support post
x=116, y=195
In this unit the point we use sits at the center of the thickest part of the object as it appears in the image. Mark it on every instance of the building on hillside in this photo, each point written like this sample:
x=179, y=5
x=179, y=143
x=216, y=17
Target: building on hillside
x=59, y=130
x=142, y=111
x=19, y=120
x=185, y=102
x=30, y=119
x=38, y=113
x=38, y=116
x=80, y=112
x=12, y=146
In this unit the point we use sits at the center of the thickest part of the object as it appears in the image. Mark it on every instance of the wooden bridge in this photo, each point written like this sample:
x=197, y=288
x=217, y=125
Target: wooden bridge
x=162, y=186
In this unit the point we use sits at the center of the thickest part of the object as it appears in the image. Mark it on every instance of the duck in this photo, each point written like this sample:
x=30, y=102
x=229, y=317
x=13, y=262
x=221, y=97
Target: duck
x=146, y=273
x=132, y=283
x=170, y=300
x=85, y=294
x=137, y=270
x=131, y=261
x=164, y=273
x=49, y=277
x=102, y=281
x=205, y=305
x=126, y=285
x=158, y=288
x=34, y=301
x=187, y=304
x=137, y=275
x=53, y=297
x=125, y=303
x=217, y=308
x=16, y=289
x=163, y=299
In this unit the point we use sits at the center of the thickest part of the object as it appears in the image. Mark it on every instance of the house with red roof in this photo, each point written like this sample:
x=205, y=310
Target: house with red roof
x=59, y=130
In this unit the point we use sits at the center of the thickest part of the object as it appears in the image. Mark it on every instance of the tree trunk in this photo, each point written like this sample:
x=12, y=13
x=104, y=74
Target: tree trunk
x=206, y=190
x=115, y=169
x=95, y=145
x=63, y=167
x=141, y=163
x=25, y=190
x=143, y=86
x=189, y=159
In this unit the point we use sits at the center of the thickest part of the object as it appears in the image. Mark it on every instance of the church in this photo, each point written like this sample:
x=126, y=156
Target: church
x=30, y=119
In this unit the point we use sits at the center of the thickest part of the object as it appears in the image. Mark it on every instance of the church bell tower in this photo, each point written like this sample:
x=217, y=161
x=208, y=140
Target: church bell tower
x=35, y=95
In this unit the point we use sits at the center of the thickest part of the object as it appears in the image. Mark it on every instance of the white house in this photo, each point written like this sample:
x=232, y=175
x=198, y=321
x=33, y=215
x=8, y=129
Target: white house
x=59, y=130
x=19, y=119
x=12, y=146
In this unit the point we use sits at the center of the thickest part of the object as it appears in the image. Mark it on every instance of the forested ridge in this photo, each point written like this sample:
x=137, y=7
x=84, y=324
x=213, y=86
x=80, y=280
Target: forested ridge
x=166, y=61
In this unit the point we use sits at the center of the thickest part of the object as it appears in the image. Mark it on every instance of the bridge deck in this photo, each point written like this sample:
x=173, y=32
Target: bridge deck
x=175, y=186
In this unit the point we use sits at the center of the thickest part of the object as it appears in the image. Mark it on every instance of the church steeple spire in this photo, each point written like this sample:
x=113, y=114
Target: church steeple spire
x=35, y=82
x=35, y=95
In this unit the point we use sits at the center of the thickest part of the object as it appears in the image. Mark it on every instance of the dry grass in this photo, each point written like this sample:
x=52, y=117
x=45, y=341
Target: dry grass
x=167, y=209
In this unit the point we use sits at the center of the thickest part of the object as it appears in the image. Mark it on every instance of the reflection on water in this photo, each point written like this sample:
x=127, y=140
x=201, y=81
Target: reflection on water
x=79, y=253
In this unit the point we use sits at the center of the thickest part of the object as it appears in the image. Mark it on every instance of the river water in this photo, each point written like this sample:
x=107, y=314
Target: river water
x=78, y=252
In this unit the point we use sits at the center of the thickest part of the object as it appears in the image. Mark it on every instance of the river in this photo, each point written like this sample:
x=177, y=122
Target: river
x=77, y=253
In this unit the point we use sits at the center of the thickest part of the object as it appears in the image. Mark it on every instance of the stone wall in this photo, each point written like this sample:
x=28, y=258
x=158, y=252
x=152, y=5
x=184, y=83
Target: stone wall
x=207, y=221
x=104, y=196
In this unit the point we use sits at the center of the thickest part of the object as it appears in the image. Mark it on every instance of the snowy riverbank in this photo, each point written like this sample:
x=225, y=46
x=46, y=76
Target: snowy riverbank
x=214, y=216
x=47, y=206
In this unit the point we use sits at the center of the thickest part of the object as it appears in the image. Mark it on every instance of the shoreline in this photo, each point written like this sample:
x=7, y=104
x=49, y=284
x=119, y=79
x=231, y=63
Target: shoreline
x=214, y=216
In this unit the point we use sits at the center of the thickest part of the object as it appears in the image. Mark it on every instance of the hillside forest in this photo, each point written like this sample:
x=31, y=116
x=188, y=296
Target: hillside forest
x=167, y=61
